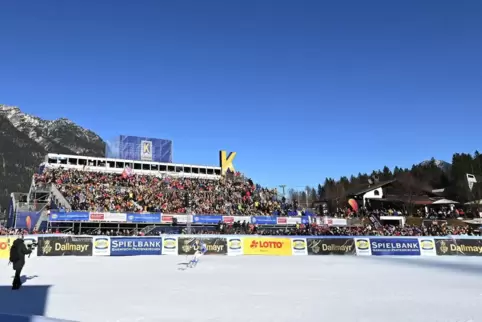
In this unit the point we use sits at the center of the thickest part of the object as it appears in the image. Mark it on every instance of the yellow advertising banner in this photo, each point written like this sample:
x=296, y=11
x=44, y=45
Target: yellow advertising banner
x=5, y=244
x=267, y=246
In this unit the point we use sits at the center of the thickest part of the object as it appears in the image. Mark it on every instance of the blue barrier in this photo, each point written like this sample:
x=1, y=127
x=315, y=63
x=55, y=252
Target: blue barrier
x=69, y=216
x=28, y=318
x=395, y=246
x=144, y=218
x=130, y=246
x=206, y=219
x=264, y=220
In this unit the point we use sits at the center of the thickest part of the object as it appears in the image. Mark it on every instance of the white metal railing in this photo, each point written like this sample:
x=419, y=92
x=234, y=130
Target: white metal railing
x=59, y=198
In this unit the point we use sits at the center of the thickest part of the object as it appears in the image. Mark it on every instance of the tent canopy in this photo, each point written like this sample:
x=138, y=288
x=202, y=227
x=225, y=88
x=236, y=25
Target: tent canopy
x=444, y=202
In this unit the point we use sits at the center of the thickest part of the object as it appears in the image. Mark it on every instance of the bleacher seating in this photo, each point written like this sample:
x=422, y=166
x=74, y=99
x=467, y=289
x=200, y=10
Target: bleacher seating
x=98, y=191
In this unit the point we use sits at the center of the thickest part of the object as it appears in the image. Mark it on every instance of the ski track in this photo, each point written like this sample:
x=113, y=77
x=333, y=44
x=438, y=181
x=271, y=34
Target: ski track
x=247, y=288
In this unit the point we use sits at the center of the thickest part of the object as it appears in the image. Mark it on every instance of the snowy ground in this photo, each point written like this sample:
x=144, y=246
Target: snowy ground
x=258, y=289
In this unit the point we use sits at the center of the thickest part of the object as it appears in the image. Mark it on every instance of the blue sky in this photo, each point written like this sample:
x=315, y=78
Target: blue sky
x=301, y=90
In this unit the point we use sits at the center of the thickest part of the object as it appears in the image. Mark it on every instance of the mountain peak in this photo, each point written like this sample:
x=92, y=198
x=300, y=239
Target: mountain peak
x=444, y=165
x=8, y=108
x=58, y=136
x=28, y=138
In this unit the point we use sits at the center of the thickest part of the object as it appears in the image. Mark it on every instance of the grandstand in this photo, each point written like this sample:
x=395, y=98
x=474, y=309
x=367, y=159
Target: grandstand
x=106, y=195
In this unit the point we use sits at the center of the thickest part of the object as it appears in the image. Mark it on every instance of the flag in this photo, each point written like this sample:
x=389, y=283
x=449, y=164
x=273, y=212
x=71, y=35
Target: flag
x=127, y=173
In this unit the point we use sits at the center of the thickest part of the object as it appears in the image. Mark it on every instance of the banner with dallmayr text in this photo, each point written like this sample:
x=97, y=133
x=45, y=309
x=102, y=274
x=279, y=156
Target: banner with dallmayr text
x=130, y=246
x=331, y=246
x=395, y=246
x=215, y=245
x=464, y=247
x=64, y=246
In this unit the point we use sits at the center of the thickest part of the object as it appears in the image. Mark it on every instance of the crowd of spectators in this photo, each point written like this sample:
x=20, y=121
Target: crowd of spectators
x=97, y=191
x=363, y=230
x=298, y=230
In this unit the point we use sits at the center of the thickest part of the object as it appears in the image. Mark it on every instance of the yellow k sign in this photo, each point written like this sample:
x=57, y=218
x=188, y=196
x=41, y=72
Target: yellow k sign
x=147, y=147
x=226, y=162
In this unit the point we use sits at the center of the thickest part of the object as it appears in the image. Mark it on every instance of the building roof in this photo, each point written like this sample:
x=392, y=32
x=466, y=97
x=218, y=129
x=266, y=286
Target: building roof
x=361, y=190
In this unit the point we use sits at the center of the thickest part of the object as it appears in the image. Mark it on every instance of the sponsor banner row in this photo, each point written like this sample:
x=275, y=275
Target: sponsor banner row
x=66, y=245
x=168, y=218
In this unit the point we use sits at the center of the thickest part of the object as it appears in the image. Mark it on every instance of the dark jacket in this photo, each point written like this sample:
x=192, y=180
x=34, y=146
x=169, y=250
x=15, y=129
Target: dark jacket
x=21, y=250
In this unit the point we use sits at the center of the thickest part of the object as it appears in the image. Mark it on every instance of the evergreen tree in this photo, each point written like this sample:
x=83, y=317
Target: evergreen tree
x=419, y=179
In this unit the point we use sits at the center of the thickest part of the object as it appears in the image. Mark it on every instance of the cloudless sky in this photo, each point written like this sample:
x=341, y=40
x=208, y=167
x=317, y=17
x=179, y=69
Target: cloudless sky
x=302, y=90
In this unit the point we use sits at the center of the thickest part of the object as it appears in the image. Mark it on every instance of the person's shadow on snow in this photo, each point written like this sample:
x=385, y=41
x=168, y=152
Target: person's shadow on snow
x=25, y=278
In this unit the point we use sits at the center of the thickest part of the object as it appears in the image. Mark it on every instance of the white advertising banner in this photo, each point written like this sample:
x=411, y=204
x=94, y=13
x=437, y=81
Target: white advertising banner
x=299, y=246
x=330, y=221
x=29, y=240
x=101, y=246
x=235, y=246
x=169, y=245
x=427, y=246
x=182, y=219
x=108, y=216
x=241, y=219
x=363, y=247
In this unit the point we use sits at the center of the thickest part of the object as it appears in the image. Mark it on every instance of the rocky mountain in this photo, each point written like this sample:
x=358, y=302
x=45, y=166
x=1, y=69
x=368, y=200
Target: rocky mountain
x=26, y=139
x=443, y=165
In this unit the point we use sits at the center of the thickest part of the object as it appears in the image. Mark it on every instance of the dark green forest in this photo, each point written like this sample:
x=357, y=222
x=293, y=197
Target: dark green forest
x=420, y=180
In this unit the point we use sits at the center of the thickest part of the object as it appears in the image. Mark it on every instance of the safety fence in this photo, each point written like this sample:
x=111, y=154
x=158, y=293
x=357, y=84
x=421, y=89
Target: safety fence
x=68, y=245
x=234, y=245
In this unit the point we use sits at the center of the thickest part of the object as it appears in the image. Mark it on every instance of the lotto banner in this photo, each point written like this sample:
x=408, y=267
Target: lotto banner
x=169, y=245
x=331, y=246
x=101, y=246
x=267, y=246
x=463, y=247
x=5, y=244
x=363, y=247
x=64, y=246
x=235, y=246
x=427, y=246
x=299, y=246
x=395, y=246
x=215, y=246
x=131, y=246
